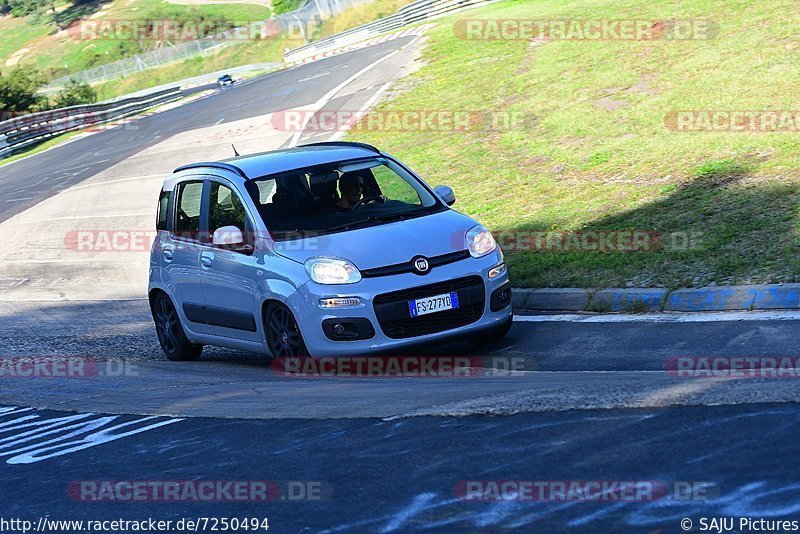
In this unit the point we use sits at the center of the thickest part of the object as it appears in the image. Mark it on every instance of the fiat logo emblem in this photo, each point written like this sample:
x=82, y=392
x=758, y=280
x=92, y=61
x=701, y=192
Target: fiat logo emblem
x=421, y=265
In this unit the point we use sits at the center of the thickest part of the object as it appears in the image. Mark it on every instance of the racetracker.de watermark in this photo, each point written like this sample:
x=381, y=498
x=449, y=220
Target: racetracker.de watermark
x=582, y=490
x=585, y=29
x=397, y=367
x=419, y=120
x=727, y=120
x=174, y=30
x=598, y=241
x=64, y=367
x=29, y=125
x=733, y=366
x=122, y=240
x=610, y=241
x=137, y=491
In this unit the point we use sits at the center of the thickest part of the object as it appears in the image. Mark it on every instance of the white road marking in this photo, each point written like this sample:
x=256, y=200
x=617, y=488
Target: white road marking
x=87, y=299
x=98, y=184
x=18, y=199
x=317, y=75
x=330, y=94
x=34, y=438
x=75, y=170
x=667, y=317
x=63, y=260
x=75, y=217
x=368, y=104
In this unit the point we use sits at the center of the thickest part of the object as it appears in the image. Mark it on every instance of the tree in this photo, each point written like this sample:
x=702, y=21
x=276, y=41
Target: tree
x=75, y=93
x=18, y=90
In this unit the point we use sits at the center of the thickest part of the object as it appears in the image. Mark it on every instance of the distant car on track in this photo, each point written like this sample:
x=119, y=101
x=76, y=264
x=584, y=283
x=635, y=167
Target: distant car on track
x=225, y=79
x=324, y=249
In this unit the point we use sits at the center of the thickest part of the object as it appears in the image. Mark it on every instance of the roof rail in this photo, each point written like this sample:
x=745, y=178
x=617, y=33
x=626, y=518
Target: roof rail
x=343, y=143
x=213, y=164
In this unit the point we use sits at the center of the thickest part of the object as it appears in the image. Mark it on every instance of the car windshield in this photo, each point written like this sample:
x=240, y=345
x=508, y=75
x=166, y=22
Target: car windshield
x=339, y=197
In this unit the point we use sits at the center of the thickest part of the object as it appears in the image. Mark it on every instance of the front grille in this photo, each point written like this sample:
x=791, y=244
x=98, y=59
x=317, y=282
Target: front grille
x=395, y=319
x=408, y=266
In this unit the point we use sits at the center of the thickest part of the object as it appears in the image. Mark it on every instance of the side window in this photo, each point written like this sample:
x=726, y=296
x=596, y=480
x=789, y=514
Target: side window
x=187, y=212
x=226, y=209
x=163, y=211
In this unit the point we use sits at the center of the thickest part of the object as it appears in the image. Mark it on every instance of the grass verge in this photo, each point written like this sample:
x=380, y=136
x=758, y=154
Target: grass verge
x=595, y=153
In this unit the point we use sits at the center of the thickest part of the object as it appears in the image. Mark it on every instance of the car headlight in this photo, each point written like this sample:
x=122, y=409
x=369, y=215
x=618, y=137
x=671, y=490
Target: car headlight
x=332, y=271
x=480, y=241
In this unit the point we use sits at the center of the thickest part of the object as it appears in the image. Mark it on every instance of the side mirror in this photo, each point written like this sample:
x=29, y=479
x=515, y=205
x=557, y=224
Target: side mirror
x=228, y=237
x=446, y=194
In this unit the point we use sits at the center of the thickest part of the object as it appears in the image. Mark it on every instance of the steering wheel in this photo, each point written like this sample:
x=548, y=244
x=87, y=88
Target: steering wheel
x=369, y=200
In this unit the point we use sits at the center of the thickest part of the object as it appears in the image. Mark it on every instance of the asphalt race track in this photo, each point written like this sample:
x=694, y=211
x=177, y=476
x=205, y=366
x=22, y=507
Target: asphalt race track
x=29, y=181
x=399, y=476
x=587, y=400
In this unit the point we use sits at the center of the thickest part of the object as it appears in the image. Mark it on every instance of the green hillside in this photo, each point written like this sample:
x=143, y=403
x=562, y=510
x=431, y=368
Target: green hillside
x=597, y=149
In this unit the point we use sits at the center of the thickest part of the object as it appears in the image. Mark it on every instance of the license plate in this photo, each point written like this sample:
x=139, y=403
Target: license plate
x=445, y=301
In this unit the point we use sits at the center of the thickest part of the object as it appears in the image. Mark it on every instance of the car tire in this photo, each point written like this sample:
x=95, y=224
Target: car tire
x=284, y=339
x=494, y=334
x=171, y=336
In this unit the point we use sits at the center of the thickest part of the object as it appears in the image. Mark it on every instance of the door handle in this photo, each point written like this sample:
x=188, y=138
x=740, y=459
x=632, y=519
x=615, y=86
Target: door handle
x=206, y=259
x=168, y=251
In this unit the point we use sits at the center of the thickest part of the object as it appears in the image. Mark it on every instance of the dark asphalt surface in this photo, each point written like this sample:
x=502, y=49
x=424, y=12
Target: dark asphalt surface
x=26, y=182
x=124, y=329
x=398, y=476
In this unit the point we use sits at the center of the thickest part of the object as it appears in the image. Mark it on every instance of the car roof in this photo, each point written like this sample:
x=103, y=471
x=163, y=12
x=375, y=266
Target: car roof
x=279, y=161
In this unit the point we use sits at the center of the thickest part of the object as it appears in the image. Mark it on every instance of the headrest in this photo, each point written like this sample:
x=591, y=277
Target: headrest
x=323, y=178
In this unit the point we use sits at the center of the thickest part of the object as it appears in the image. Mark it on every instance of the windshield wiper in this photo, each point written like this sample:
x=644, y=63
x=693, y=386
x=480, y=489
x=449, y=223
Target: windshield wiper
x=348, y=225
x=294, y=235
x=371, y=219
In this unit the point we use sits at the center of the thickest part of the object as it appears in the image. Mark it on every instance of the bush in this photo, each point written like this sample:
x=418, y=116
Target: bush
x=74, y=94
x=18, y=90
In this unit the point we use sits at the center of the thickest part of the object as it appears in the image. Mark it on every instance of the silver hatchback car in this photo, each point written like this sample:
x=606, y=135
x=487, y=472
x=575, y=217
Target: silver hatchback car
x=325, y=249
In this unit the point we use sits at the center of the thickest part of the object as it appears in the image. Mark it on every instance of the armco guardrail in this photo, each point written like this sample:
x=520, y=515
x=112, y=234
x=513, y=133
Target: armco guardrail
x=418, y=11
x=24, y=131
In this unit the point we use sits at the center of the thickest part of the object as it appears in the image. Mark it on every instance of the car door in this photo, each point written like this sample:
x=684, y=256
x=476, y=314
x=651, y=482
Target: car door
x=228, y=272
x=180, y=251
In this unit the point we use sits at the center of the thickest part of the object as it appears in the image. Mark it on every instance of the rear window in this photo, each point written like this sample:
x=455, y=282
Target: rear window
x=163, y=211
x=187, y=212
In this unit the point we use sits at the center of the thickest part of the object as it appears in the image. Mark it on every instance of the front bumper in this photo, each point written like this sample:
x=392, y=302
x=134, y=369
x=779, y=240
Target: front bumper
x=310, y=315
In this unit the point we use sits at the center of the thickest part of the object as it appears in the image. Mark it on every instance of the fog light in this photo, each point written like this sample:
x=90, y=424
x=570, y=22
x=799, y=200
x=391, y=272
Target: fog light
x=501, y=297
x=339, y=302
x=348, y=328
x=500, y=270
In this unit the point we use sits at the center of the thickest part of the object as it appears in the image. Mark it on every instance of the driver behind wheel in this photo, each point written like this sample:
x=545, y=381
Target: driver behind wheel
x=351, y=188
